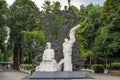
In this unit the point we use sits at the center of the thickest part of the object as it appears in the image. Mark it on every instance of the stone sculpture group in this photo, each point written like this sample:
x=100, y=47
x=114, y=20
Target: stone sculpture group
x=48, y=59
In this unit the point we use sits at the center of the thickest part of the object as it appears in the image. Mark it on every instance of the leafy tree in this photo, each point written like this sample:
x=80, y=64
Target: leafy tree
x=100, y=48
x=56, y=6
x=21, y=16
x=31, y=41
x=3, y=32
x=90, y=17
x=107, y=44
x=111, y=16
x=1, y=56
x=69, y=3
x=47, y=6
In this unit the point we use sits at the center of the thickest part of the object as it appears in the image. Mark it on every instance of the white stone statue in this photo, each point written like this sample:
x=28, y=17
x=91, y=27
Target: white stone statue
x=48, y=60
x=67, y=50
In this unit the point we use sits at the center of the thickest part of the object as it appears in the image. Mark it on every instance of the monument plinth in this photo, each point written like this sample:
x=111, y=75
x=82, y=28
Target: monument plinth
x=57, y=75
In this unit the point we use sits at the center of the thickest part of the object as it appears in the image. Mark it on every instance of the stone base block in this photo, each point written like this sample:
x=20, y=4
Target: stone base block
x=72, y=75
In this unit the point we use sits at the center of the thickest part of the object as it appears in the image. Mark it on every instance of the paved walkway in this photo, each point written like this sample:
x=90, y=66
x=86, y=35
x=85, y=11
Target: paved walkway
x=103, y=76
x=10, y=74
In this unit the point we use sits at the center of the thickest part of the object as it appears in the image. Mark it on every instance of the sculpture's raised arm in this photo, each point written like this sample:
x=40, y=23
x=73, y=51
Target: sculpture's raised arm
x=72, y=33
x=75, y=28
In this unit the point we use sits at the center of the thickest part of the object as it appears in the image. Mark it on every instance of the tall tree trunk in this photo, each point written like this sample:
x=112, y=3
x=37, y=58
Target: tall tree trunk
x=4, y=56
x=90, y=62
x=22, y=53
x=16, y=56
x=4, y=51
x=106, y=63
x=29, y=58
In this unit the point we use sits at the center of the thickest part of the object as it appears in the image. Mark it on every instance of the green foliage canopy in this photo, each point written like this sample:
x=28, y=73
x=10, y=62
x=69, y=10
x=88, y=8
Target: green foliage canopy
x=108, y=41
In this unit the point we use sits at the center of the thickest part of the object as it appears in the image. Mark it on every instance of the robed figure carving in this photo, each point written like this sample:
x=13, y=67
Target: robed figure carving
x=67, y=50
x=48, y=60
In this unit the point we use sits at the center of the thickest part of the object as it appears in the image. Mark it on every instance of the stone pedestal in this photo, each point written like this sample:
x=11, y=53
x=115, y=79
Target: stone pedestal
x=68, y=75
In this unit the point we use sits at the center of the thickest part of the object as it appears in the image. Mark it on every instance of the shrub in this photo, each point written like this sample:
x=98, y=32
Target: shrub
x=32, y=70
x=27, y=67
x=115, y=66
x=98, y=68
x=86, y=66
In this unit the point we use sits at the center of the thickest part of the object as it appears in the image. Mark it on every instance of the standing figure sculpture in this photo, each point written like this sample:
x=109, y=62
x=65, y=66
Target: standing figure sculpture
x=67, y=50
x=48, y=61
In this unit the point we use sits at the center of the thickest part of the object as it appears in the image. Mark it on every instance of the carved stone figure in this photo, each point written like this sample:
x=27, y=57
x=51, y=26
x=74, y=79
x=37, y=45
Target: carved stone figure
x=48, y=61
x=67, y=50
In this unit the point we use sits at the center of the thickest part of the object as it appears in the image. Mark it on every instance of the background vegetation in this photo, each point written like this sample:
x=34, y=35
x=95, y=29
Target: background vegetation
x=98, y=40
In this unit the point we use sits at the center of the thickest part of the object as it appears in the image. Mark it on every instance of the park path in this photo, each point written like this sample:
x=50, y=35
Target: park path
x=100, y=77
x=10, y=74
x=15, y=75
x=103, y=76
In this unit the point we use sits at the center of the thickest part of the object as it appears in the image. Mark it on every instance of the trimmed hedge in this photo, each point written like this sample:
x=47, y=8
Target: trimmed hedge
x=115, y=66
x=98, y=68
x=27, y=67
x=32, y=70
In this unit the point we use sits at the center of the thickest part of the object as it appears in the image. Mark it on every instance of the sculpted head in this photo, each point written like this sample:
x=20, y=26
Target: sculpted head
x=48, y=45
